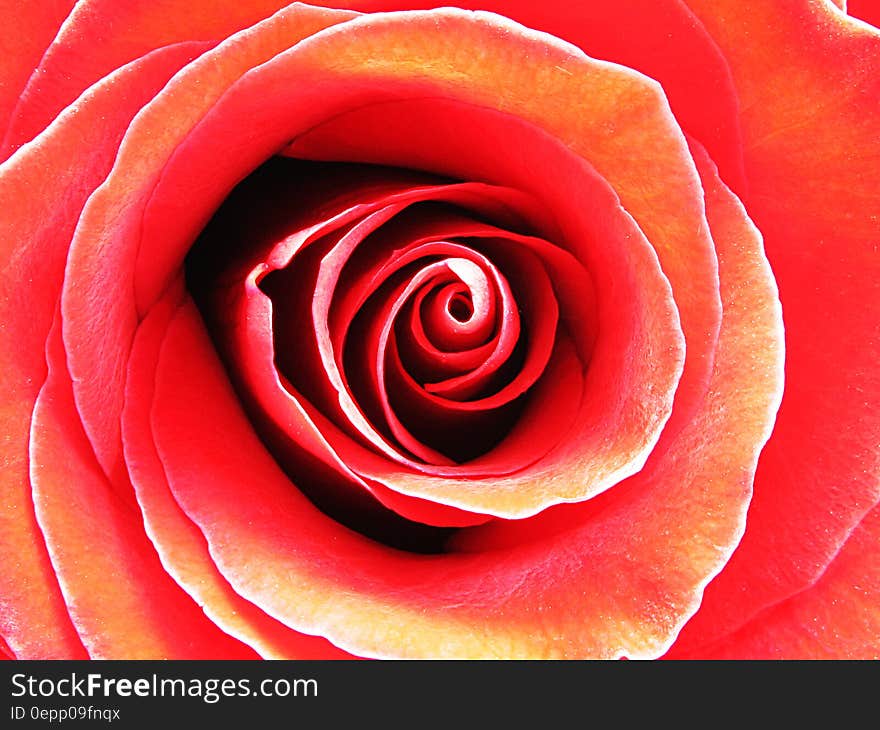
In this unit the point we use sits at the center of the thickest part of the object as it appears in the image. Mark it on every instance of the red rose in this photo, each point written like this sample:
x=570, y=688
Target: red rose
x=429, y=334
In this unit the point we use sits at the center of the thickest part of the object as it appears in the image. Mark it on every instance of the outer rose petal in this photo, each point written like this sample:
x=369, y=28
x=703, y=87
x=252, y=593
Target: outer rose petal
x=838, y=617
x=107, y=568
x=33, y=245
x=178, y=541
x=28, y=28
x=98, y=37
x=809, y=80
x=661, y=39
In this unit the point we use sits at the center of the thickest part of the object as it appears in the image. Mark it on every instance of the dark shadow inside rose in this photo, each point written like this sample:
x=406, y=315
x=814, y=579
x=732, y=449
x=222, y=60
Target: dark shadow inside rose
x=287, y=195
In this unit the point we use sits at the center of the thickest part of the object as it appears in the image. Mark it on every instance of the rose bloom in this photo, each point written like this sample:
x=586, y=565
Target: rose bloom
x=379, y=329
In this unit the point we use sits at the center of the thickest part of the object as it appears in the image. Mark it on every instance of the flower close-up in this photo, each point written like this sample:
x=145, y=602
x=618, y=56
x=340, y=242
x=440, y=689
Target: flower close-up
x=397, y=330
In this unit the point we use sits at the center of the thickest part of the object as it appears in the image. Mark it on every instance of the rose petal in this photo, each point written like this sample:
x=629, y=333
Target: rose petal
x=805, y=74
x=369, y=358
x=740, y=407
x=108, y=571
x=662, y=39
x=89, y=46
x=179, y=543
x=28, y=30
x=35, y=621
x=837, y=617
